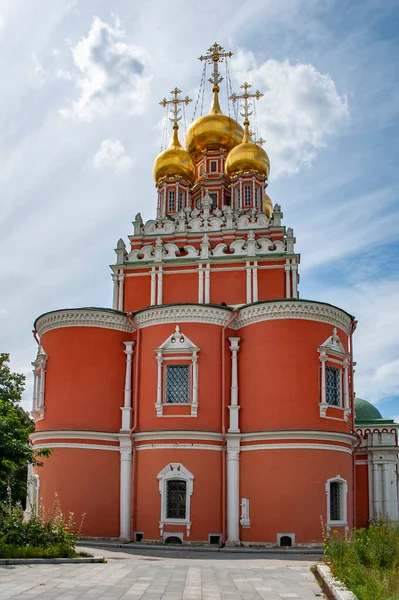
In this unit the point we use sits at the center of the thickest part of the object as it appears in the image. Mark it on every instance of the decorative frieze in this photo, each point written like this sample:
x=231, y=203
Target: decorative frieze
x=182, y=314
x=84, y=317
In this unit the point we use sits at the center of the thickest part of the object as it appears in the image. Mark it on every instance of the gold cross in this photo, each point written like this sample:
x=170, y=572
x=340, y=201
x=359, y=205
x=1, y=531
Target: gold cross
x=260, y=141
x=215, y=55
x=175, y=110
x=245, y=98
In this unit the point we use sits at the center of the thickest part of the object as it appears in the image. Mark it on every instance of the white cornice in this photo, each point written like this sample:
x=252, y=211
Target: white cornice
x=177, y=446
x=74, y=435
x=83, y=317
x=78, y=446
x=286, y=309
x=296, y=447
x=195, y=313
x=328, y=436
x=178, y=435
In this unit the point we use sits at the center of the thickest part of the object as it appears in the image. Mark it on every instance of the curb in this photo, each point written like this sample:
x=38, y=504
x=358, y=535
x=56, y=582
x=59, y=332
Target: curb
x=47, y=561
x=182, y=548
x=337, y=589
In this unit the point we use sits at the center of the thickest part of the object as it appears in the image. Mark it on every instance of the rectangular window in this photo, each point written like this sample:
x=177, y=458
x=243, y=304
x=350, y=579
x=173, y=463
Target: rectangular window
x=214, y=166
x=333, y=386
x=201, y=170
x=214, y=198
x=238, y=198
x=176, y=499
x=177, y=384
x=180, y=202
x=171, y=200
x=257, y=196
x=247, y=195
x=335, y=501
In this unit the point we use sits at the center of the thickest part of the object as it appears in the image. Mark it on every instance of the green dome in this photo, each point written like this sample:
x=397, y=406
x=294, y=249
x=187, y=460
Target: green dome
x=365, y=411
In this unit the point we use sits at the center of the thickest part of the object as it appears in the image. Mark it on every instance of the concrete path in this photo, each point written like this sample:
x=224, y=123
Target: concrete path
x=166, y=575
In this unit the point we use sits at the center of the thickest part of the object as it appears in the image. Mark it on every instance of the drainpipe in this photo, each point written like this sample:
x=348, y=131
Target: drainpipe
x=130, y=318
x=34, y=332
x=352, y=406
x=223, y=346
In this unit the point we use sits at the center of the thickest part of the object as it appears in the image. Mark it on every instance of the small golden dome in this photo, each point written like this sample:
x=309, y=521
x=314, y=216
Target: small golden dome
x=247, y=156
x=267, y=206
x=174, y=161
x=213, y=131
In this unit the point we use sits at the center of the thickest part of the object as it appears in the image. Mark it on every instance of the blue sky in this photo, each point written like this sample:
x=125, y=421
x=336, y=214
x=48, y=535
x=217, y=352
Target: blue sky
x=81, y=125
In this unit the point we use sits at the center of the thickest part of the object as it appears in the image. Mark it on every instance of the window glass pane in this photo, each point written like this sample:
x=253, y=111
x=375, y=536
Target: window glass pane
x=247, y=195
x=333, y=386
x=257, y=197
x=201, y=169
x=214, y=166
x=335, y=501
x=214, y=198
x=175, y=499
x=180, y=201
x=171, y=200
x=177, y=384
x=238, y=198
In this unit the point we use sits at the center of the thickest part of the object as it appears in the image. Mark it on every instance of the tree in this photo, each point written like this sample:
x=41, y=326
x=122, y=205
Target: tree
x=15, y=427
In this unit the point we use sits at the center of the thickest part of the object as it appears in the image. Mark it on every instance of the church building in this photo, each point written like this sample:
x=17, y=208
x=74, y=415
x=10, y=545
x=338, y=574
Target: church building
x=211, y=404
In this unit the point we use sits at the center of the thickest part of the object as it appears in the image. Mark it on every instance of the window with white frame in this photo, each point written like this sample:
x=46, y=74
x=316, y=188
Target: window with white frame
x=238, y=198
x=214, y=166
x=333, y=386
x=334, y=378
x=214, y=198
x=171, y=200
x=177, y=383
x=247, y=195
x=257, y=196
x=180, y=201
x=337, y=491
x=175, y=487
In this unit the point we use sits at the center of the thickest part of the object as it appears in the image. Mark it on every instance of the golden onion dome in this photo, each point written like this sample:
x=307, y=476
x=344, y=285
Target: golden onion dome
x=247, y=156
x=213, y=131
x=174, y=161
x=267, y=205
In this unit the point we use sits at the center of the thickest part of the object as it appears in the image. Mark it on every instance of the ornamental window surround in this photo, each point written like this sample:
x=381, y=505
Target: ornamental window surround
x=337, y=493
x=175, y=487
x=177, y=383
x=334, y=379
x=39, y=379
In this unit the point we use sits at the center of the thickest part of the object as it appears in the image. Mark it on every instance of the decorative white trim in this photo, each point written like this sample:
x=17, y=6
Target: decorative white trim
x=76, y=435
x=179, y=446
x=334, y=436
x=180, y=435
x=294, y=309
x=79, y=446
x=182, y=314
x=127, y=396
x=234, y=406
x=332, y=351
x=290, y=535
x=245, y=520
x=84, y=317
x=175, y=471
x=295, y=447
x=344, y=501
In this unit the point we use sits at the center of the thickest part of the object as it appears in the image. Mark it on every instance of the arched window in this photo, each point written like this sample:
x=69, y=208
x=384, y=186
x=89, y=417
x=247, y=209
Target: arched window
x=336, y=490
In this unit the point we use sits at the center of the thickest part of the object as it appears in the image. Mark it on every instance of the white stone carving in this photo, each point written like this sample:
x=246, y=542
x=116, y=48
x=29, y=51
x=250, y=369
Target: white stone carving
x=84, y=317
x=175, y=471
x=182, y=314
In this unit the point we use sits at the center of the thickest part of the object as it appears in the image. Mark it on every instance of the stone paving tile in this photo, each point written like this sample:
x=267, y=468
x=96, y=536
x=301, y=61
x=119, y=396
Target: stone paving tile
x=165, y=575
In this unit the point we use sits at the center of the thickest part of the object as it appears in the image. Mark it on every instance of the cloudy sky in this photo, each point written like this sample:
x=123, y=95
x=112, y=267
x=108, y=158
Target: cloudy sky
x=80, y=126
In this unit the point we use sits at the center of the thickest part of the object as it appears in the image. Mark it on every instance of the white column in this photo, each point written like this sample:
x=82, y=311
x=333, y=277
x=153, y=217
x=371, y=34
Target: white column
x=255, y=282
x=115, y=291
x=34, y=398
x=153, y=286
x=42, y=377
x=125, y=500
x=200, y=284
x=233, y=489
x=346, y=384
x=249, y=286
x=323, y=359
x=287, y=281
x=194, y=403
x=159, y=295
x=207, y=284
x=158, y=405
x=294, y=268
x=120, y=299
x=234, y=407
x=127, y=401
x=376, y=490
x=386, y=491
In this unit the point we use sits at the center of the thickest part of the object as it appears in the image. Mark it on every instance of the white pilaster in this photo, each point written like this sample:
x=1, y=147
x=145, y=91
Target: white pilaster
x=153, y=286
x=115, y=291
x=294, y=268
x=287, y=280
x=158, y=405
x=234, y=407
x=255, y=282
x=386, y=491
x=42, y=377
x=233, y=488
x=323, y=359
x=194, y=403
x=34, y=398
x=127, y=400
x=125, y=504
x=160, y=283
x=207, y=283
x=200, y=284
x=121, y=278
x=346, y=383
x=249, y=283
x=376, y=490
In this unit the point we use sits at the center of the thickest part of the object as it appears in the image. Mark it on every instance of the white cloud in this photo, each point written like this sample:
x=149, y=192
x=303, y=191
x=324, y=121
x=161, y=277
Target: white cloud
x=300, y=109
x=111, y=75
x=63, y=74
x=112, y=155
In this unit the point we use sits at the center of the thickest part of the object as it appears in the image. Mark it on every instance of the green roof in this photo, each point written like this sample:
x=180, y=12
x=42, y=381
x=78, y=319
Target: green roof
x=365, y=412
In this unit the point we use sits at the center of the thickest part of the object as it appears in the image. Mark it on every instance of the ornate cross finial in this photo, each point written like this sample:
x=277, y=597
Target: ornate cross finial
x=175, y=110
x=215, y=55
x=246, y=104
x=260, y=141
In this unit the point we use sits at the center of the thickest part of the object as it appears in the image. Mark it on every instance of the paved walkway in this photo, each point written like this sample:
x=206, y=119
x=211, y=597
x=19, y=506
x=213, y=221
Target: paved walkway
x=166, y=575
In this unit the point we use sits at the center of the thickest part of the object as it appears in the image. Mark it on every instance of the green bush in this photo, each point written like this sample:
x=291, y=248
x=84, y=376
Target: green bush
x=48, y=535
x=367, y=562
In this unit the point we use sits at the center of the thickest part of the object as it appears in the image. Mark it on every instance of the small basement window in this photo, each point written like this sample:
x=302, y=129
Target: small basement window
x=215, y=538
x=173, y=539
x=285, y=540
x=138, y=536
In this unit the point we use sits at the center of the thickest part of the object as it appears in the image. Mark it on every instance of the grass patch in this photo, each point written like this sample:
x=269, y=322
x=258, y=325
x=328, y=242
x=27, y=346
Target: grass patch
x=367, y=562
x=56, y=551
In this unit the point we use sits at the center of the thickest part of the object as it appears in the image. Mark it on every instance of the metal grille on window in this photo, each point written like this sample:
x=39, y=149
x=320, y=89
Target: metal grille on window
x=180, y=201
x=214, y=198
x=214, y=166
x=171, y=200
x=257, y=197
x=335, y=501
x=333, y=386
x=177, y=384
x=176, y=499
x=247, y=195
x=238, y=198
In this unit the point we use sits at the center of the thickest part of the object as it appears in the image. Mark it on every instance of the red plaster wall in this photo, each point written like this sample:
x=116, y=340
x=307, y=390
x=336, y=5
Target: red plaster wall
x=271, y=284
x=362, y=495
x=137, y=292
